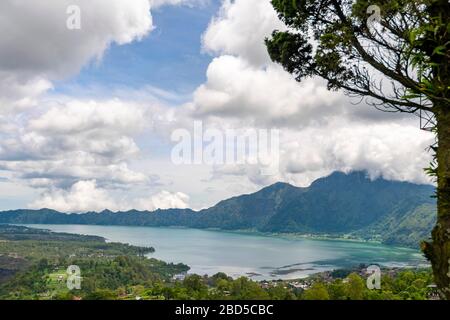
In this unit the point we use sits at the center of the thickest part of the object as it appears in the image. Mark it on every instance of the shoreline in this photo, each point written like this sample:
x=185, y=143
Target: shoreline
x=279, y=272
x=281, y=235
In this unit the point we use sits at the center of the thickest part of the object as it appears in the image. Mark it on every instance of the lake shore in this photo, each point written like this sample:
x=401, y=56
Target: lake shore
x=246, y=252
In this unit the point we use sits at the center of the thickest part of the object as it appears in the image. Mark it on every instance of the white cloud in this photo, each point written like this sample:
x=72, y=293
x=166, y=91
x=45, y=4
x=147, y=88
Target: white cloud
x=67, y=142
x=75, y=117
x=36, y=47
x=240, y=29
x=322, y=131
x=36, y=41
x=18, y=94
x=242, y=82
x=396, y=151
x=163, y=200
x=84, y=196
x=267, y=96
x=77, y=140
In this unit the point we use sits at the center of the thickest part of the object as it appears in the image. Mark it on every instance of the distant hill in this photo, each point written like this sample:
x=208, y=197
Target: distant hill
x=393, y=212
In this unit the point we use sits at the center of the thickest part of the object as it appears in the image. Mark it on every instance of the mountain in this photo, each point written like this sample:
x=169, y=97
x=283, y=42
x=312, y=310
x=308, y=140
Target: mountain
x=393, y=212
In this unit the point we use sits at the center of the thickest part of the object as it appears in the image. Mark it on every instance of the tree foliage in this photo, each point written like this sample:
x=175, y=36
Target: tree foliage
x=391, y=64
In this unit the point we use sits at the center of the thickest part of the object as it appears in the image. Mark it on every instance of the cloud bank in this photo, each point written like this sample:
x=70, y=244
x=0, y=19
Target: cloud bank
x=86, y=196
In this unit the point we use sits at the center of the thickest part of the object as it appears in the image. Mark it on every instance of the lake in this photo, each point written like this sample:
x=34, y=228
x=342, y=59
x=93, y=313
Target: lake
x=253, y=255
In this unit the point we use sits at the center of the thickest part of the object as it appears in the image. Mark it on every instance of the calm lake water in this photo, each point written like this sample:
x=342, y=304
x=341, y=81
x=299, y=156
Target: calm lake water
x=257, y=256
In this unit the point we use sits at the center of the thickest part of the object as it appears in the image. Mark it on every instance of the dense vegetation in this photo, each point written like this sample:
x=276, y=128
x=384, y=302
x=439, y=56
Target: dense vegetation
x=405, y=285
x=33, y=264
x=348, y=205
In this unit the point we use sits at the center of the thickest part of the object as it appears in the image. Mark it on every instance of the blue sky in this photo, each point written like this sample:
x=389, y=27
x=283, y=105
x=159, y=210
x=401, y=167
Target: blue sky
x=170, y=57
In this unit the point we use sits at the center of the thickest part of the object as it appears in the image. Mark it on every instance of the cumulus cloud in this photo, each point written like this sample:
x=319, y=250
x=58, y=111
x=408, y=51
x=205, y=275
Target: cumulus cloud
x=322, y=131
x=240, y=29
x=242, y=82
x=36, y=47
x=268, y=96
x=36, y=40
x=396, y=151
x=64, y=139
x=78, y=116
x=62, y=144
x=77, y=140
x=163, y=200
x=84, y=196
x=19, y=93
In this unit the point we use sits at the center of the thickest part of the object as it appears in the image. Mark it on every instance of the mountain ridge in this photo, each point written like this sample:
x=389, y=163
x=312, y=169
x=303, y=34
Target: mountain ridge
x=341, y=204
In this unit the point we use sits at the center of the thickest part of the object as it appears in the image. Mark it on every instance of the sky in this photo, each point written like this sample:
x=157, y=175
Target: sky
x=88, y=115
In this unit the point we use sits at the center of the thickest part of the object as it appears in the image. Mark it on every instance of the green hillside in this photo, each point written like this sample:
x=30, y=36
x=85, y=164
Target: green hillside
x=393, y=212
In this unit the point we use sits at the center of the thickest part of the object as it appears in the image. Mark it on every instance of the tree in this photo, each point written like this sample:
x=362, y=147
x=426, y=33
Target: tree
x=245, y=289
x=279, y=292
x=355, y=287
x=101, y=294
x=317, y=292
x=194, y=283
x=337, y=290
x=399, y=64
